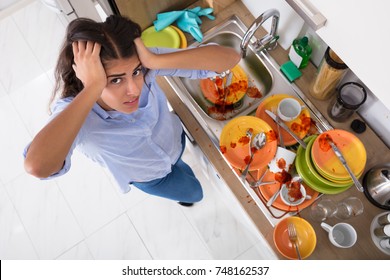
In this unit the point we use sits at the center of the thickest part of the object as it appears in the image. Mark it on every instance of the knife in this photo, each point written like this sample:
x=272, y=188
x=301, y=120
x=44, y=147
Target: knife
x=286, y=128
x=344, y=162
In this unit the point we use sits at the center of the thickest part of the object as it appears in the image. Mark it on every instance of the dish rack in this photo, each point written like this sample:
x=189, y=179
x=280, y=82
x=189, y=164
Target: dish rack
x=276, y=212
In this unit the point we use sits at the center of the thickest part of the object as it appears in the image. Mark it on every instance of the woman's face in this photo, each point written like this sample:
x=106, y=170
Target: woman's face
x=124, y=84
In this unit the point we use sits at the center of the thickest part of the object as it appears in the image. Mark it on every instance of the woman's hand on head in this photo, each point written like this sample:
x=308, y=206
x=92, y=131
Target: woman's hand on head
x=87, y=64
x=145, y=56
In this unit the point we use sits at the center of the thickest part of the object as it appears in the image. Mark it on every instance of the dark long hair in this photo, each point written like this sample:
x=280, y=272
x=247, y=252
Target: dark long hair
x=116, y=36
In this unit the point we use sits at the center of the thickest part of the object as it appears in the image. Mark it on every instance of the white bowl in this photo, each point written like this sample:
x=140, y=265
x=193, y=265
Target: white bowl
x=289, y=200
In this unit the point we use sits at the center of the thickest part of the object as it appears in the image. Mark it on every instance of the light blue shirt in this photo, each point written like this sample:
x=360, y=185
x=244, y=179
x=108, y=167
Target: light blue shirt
x=137, y=147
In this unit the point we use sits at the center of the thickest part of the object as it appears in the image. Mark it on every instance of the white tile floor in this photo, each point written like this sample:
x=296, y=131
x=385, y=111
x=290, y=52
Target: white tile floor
x=82, y=215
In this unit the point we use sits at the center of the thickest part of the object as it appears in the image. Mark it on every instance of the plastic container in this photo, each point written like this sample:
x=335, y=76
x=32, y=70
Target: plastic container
x=331, y=70
x=300, y=52
x=349, y=98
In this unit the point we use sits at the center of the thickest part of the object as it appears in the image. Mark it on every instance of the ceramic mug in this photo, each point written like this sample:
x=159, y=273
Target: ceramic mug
x=341, y=235
x=289, y=109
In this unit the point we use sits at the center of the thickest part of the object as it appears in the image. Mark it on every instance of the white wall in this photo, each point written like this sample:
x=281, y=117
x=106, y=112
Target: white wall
x=290, y=23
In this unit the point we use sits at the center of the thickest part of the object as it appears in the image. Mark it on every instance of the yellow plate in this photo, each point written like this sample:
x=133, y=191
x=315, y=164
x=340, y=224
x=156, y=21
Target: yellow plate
x=183, y=39
x=307, y=239
x=300, y=125
x=166, y=38
x=237, y=88
x=326, y=160
x=234, y=143
x=309, y=174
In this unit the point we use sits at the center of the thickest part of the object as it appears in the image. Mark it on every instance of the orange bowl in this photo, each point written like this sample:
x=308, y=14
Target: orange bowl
x=307, y=239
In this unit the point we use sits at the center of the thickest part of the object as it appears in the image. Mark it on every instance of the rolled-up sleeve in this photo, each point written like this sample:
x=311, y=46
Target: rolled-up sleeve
x=185, y=73
x=67, y=162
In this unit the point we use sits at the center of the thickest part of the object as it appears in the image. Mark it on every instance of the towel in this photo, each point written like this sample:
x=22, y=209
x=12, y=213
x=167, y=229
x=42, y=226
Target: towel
x=187, y=20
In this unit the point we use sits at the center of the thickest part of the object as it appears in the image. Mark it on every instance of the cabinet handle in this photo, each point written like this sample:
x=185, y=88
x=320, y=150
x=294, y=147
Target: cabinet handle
x=308, y=12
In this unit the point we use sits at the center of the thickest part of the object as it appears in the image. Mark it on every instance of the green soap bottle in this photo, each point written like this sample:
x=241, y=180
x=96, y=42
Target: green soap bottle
x=300, y=52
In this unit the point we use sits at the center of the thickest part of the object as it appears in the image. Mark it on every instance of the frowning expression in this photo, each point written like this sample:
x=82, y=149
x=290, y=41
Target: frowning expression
x=124, y=85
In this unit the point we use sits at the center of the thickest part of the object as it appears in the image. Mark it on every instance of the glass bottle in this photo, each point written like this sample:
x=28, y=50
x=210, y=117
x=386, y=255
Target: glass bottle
x=331, y=70
x=300, y=52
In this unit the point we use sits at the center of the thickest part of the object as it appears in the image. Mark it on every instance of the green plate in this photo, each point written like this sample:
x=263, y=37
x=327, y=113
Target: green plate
x=308, y=177
x=166, y=38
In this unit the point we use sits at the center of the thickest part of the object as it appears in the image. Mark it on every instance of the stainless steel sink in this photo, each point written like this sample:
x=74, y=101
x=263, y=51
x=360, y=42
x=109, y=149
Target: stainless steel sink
x=262, y=69
x=258, y=74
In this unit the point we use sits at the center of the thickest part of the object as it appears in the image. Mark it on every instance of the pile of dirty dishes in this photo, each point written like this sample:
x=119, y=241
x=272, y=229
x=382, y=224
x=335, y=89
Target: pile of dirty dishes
x=299, y=125
x=235, y=143
x=319, y=166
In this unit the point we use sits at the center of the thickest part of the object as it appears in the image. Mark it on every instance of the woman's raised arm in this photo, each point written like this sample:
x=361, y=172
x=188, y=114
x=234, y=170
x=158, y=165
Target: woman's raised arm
x=210, y=57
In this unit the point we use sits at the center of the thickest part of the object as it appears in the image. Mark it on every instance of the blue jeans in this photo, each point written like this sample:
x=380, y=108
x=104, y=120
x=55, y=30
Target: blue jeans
x=179, y=185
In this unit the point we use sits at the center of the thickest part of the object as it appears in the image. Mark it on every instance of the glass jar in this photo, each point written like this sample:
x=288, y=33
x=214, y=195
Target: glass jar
x=331, y=70
x=349, y=98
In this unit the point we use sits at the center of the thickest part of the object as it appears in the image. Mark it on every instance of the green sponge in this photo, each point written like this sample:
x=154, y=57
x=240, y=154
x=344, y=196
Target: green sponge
x=290, y=70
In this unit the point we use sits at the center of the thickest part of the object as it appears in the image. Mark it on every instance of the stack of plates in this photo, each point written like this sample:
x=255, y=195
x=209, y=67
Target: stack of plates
x=169, y=37
x=327, y=163
x=320, y=168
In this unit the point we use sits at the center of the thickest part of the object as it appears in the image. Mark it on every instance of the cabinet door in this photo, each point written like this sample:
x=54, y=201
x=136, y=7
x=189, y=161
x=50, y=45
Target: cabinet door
x=359, y=32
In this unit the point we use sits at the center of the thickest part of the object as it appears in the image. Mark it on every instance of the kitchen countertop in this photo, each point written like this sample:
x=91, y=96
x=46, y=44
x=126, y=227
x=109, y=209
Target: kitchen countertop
x=377, y=153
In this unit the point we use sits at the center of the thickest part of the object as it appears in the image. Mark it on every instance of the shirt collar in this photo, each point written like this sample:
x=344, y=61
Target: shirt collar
x=106, y=114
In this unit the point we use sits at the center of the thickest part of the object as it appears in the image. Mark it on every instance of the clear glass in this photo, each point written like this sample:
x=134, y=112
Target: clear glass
x=348, y=208
x=322, y=209
x=331, y=70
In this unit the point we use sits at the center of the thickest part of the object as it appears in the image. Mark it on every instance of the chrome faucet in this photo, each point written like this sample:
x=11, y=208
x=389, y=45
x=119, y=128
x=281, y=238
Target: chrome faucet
x=269, y=41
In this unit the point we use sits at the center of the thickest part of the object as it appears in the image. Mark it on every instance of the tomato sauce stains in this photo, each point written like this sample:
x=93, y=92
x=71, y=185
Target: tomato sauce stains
x=294, y=191
x=323, y=142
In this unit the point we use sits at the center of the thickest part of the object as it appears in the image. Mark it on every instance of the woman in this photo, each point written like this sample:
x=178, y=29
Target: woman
x=111, y=108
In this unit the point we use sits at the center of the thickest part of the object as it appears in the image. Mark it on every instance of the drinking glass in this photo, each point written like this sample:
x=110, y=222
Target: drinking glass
x=322, y=209
x=349, y=207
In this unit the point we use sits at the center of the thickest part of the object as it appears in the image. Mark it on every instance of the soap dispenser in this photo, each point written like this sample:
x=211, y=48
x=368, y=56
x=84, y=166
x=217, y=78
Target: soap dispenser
x=300, y=52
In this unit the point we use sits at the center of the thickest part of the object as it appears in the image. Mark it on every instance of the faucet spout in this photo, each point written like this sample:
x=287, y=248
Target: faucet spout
x=269, y=41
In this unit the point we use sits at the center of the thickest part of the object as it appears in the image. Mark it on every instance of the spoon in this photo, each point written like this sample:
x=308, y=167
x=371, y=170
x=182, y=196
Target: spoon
x=256, y=143
x=274, y=197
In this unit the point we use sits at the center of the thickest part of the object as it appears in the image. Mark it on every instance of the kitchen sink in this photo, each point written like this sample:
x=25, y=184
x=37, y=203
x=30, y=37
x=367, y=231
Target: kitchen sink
x=262, y=70
x=259, y=76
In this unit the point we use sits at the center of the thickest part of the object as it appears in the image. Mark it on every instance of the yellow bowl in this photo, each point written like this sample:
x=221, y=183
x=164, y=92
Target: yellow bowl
x=307, y=239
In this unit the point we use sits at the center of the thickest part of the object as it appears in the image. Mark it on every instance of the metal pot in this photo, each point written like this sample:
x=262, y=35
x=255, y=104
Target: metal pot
x=376, y=185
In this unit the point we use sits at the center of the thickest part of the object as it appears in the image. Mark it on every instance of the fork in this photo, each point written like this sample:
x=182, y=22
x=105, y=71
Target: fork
x=292, y=235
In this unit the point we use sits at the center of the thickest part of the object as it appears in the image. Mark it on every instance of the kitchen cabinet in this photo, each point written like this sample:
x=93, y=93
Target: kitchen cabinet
x=358, y=31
